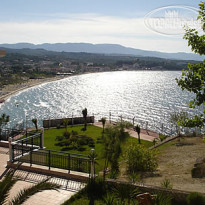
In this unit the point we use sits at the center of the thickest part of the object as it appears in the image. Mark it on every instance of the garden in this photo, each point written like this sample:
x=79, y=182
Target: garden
x=110, y=145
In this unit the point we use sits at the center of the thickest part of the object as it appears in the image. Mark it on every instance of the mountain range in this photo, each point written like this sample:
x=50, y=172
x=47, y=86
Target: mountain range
x=109, y=49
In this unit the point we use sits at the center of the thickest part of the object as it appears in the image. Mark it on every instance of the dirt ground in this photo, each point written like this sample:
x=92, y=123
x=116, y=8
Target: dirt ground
x=176, y=163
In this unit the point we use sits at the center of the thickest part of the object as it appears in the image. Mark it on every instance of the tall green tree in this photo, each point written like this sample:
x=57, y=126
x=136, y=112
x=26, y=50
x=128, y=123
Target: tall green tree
x=113, y=138
x=193, y=79
x=85, y=112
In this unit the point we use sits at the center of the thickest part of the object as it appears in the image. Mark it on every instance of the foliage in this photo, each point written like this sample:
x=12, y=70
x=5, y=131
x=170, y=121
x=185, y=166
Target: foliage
x=166, y=184
x=137, y=129
x=193, y=79
x=35, y=122
x=65, y=123
x=5, y=186
x=85, y=112
x=112, y=148
x=66, y=134
x=123, y=192
x=195, y=199
x=134, y=177
x=51, y=137
x=162, y=199
x=125, y=124
x=109, y=199
x=4, y=119
x=8, y=182
x=103, y=120
x=177, y=118
x=161, y=137
x=100, y=192
x=69, y=141
x=96, y=188
x=139, y=158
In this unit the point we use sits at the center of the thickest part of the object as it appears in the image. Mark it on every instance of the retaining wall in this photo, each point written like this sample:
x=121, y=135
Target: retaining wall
x=71, y=121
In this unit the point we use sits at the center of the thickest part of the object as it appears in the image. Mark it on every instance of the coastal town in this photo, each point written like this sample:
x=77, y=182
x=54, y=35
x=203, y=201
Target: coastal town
x=19, y=71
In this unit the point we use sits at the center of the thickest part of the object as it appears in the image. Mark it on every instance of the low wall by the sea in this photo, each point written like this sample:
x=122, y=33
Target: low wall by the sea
x=71, y=121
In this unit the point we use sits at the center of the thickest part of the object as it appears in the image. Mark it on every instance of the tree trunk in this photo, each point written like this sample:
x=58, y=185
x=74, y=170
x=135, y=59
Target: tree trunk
x=139, y=138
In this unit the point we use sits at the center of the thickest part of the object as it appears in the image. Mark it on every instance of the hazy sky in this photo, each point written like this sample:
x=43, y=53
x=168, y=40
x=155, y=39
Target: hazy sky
x=89, y=21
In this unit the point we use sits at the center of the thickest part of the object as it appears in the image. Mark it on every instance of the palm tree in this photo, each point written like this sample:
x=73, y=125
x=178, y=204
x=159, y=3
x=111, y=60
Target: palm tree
x=65, y=122
x=103, y=120
x=85, y=112
x=35, y=122
x=8, y=182
x=137, y=129
x=124, y=192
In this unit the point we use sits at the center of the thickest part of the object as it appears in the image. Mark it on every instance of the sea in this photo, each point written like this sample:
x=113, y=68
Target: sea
x=144, y=97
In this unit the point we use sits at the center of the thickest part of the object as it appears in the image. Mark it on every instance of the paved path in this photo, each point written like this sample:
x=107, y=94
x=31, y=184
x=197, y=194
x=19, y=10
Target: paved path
x=144, y=134
x=49, y=197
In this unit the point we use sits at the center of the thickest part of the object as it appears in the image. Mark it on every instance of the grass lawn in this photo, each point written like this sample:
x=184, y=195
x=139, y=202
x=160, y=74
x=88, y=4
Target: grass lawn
x=93, y=132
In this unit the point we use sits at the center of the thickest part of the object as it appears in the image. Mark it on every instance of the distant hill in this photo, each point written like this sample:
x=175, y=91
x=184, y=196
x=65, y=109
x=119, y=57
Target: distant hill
x=113, y=49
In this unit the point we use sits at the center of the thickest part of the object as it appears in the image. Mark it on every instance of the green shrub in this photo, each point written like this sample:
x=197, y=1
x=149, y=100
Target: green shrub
x=60, y=144
x=59, y=138
x=125, y=124
x=66, y=134
x=139, y=158
x=166, y=184
x=96, y=188
x=162, y=137
x=195, y=199
x=91, y=144
x=162, y=199
x=74, y=133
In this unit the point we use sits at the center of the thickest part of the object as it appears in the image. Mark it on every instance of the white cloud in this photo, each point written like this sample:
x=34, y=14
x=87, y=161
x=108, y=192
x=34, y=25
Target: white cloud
x=90, y=28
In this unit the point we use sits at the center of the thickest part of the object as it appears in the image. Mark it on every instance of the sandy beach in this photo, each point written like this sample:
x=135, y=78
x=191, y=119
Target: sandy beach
x=9, y=90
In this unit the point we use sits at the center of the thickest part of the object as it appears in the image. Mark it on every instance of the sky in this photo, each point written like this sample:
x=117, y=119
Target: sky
x=91, y=21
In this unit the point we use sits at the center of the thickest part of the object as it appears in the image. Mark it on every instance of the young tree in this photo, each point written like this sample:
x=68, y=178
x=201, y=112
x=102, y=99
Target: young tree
x=65, y=122
x=112, y=149
x=85, y=112
x=193, y=79
x=176, y=118
x=35, y=122
x=103, y=120
x=137, y=129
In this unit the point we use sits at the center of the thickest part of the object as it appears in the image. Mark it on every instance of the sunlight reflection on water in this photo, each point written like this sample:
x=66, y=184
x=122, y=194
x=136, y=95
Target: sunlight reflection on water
x=147, y=95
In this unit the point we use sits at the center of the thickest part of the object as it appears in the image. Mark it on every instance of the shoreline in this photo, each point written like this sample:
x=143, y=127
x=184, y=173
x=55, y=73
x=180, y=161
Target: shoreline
x=13, y=89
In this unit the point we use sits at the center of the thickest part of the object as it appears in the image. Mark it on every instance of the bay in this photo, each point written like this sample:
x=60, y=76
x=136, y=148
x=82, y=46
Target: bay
x=146, y=96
